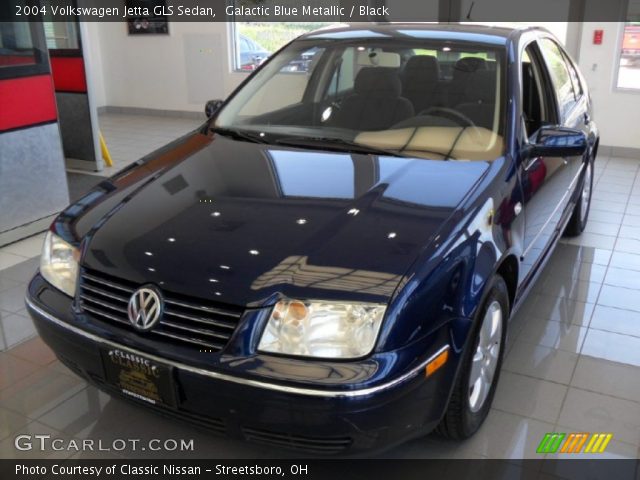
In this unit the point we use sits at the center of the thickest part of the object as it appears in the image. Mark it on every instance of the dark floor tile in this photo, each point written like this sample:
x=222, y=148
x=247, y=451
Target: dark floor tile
x=22, y=272
x=15, y=329
x=34, y=350
x=12, y=300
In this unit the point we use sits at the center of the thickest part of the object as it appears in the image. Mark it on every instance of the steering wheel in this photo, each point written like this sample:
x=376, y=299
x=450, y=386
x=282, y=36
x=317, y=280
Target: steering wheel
x=450, y=114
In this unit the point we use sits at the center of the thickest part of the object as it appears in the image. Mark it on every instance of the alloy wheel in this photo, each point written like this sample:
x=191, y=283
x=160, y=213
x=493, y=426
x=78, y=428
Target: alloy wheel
x=485, y=358
x=586, y=194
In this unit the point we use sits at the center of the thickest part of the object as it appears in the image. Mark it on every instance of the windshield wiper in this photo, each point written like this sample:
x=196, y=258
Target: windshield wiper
x=237, y=134
x=336, y=143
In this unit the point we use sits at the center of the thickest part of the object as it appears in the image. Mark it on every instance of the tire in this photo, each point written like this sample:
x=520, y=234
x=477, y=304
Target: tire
x=466, y=410
x=580, y=214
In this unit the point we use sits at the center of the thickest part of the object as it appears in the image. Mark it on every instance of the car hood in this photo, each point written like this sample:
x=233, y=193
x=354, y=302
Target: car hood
x=244, y=223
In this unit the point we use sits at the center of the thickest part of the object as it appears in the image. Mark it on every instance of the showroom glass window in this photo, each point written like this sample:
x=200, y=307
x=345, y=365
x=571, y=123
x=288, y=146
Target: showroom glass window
x=62, y=35
x=21, y=50
x=63, y=38
x=254, y=42
x=629, y=61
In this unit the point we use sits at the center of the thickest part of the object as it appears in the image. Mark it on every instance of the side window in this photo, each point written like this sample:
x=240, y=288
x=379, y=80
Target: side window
x=560, y=75
x=22, y=50
x=575, y=77
x=535, y=110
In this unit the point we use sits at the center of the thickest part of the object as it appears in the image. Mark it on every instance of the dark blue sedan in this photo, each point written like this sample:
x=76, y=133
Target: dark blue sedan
x=330, y=262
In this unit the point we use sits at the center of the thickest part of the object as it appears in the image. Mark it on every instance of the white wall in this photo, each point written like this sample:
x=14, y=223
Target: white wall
x=93, y=62
x=616, y=112
x=153, y=71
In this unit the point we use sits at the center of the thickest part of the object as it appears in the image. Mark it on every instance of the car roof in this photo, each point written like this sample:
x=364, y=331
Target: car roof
x=484, y=33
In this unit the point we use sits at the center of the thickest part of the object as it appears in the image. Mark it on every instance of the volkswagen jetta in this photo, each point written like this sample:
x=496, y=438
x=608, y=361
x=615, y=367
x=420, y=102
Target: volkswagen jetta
x=330, y=262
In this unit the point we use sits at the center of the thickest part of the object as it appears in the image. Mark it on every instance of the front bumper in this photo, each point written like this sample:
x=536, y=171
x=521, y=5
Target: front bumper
x=326, y=420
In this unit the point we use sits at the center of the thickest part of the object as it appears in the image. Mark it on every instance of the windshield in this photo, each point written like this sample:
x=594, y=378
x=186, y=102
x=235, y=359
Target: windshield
x=417, y=97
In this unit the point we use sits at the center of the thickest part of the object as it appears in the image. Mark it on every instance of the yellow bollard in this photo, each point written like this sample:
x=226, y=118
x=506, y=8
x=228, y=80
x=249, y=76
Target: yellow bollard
x=105, y=152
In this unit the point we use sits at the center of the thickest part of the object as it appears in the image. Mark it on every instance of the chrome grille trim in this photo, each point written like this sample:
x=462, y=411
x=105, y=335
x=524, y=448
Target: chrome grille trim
x=106, y=294
x=186, y=323
x=205, y=321
x=201, y=308
x=194, y=330
x=102, y=314
x=103, y=304
x=109, y=284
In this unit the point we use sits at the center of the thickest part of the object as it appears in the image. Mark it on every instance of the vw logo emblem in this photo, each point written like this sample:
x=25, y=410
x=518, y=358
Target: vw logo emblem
x=145, y=308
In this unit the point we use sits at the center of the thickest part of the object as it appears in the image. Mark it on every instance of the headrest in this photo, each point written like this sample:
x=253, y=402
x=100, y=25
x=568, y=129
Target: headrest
x=421, y=69
x=469, y=65
x=482, y=87
x=378, y=81
x=377, y=58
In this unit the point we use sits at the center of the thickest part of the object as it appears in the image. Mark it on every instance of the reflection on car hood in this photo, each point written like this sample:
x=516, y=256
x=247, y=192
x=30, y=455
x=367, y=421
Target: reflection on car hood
x=239, y=223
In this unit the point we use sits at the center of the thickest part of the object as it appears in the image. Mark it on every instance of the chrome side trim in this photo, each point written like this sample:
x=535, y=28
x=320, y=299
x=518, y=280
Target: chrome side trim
x=314, y=392
x=555, y=210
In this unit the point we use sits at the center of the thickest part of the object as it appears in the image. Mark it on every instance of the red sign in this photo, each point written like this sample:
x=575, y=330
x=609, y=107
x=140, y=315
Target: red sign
x=597, y=37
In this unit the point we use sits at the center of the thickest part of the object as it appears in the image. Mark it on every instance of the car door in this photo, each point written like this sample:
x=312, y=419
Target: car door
x=547, y=99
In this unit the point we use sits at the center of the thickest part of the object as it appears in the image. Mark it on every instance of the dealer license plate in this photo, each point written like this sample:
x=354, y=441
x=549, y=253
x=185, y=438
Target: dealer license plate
x=139, y=377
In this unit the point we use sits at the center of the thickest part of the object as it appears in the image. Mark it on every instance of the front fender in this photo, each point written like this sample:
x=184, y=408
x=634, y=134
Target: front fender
x=447, y=287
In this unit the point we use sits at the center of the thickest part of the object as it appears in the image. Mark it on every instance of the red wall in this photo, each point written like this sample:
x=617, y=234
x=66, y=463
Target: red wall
x=68, y=74
x=26, y=101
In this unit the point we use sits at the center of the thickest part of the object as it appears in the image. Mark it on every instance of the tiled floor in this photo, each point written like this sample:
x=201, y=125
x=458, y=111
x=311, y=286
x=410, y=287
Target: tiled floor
x=129, y=137
x=573, y=361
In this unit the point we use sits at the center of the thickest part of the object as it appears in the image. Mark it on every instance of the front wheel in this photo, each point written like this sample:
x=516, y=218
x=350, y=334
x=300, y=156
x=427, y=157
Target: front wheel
x=580, y=214
x=478, y=377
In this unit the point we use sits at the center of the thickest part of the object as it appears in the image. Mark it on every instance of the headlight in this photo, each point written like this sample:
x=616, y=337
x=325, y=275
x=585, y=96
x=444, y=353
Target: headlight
x=322, y=329
x=59, y=263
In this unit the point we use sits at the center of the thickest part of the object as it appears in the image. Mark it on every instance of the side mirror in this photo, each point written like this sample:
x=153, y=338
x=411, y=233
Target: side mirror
x=557, y=141
x=211, y=107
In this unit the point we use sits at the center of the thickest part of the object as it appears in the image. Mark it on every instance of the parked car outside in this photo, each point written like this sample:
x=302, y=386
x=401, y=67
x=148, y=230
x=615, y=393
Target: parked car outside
x=252, y=54
x=331, y=261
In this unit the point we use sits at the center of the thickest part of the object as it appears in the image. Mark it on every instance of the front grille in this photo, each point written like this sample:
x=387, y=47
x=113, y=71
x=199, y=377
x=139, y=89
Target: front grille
x=320, y=445
x=185, y=321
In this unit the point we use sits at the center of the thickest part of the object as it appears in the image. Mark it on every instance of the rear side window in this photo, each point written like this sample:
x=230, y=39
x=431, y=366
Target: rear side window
x=560, y=75
x=575, y=78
